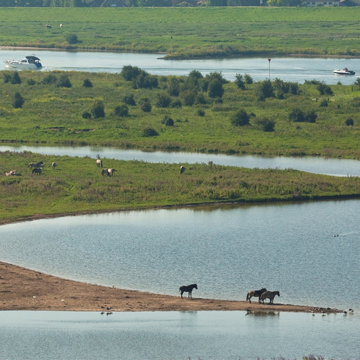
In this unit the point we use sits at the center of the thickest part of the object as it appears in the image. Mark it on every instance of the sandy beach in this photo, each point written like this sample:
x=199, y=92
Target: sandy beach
x=24, y=289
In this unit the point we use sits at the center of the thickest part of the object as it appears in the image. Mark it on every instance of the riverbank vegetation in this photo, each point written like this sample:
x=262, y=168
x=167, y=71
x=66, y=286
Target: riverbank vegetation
x=189, y=113
x=77, y=186
x=187, y=32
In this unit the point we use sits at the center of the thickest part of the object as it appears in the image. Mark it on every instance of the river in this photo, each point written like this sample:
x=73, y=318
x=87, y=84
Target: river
x=294, y=69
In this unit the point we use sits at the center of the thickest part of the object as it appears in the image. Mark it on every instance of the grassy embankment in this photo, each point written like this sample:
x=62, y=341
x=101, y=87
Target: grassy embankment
x=76, y=186
x=53, y=115
x=196, y=32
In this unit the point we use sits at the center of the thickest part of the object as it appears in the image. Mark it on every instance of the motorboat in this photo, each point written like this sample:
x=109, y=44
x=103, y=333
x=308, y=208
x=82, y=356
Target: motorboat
x=30, y=62
x=344, y=71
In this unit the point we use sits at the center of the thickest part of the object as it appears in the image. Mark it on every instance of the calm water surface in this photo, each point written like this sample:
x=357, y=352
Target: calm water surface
x=287, y=69
x=293, y=248
x=176, y=335
x=335, y=167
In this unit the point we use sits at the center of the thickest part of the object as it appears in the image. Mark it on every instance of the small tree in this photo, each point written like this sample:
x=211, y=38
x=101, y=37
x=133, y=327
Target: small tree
x=163, y=101
x=122, y=111
x=216, y=89
x=296, y=115
x=129, y=72
x=129, y=100
x=72, y=38
x=86, y=115
x=167, y=121
x=18, y=101
x=87, y=83
x=15, y=78
x=311, y=117
x=49, y=79
x=97, y=109
x=239, y=81
x=248, y=79
x=240, y=118
x=31, y=82
x=64, y=81
x=266, y=124
x=146, y=106
x=201, y=112
x=324, y=89
x=349, y=122
x=148, y=132
x=265, y=89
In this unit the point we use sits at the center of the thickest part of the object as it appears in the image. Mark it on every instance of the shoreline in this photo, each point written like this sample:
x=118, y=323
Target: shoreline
x=25, y=289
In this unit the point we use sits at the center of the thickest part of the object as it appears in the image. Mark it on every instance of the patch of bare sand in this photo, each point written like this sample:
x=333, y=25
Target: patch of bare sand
x=24, y=289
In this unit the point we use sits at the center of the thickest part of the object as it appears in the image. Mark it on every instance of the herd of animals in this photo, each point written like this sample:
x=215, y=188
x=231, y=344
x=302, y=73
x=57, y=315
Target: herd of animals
x=262, y=294
x=38, y=167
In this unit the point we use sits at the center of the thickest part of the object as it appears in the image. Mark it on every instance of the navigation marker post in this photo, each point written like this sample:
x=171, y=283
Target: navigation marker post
x=269, y=68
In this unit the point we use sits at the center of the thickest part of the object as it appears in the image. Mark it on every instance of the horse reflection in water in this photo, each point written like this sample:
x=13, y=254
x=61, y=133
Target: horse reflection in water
x=255, y=293
x=188, y=289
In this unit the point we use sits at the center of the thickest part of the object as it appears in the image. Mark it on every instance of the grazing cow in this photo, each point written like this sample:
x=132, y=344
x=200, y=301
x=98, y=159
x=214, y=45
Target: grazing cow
x=12, y=173
x=269, y=295
x=54, y=165
x=182, y=169
x=61, y=25
x=99, y=163
x=36, y=165
x=111, y=171
x=255, y=293
x=48, y=26
x=188, y=289
x=36, y=171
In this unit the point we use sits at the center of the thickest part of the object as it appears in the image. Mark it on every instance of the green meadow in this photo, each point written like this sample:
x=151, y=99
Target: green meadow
x=77, y=186
x=190, y=120
x=196, y=32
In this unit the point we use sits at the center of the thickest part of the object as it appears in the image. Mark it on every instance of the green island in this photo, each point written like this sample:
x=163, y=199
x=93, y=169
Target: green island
x=185, y=33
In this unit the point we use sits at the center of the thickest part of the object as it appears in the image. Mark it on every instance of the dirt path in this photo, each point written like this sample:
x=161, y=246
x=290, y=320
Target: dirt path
x=24, y=289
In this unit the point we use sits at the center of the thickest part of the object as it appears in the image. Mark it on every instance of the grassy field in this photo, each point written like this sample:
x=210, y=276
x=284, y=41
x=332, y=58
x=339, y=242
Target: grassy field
x=196, y=32
x=76, y=185
x=52, y=115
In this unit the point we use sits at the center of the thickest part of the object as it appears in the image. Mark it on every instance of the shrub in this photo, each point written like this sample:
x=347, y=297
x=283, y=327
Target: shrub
x=216, y=89
x=18, y=101
x=311, y=117
x=324, y=103
x=239, y=81
x=167, y=121
x=248, y=79
x=296, y=115
x=86, y=115
x=173, y=87
x=146, y=106
x=200, y=99
x=64, y=81
x=129, y=72
x=121, y=111
x=15, y=78
x=265, y=89
x=266, y=124
x=72, y=38
x=195, y=74
x=349, y=122
x=176, y=104
x=148, y=132
x=49, y=79
x=201, y=112
x=87, y=83
x=324, y=89
x=215, y=75
x=97, y=109
x=31, y=82
x=6, y=77
x=188, y=97
x=129, y=100
x=163, y=101
x=240, y=118
x=145, y=81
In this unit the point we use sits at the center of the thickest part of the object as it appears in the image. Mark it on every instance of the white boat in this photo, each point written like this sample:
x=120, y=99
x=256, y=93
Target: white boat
x=30, y=62
x=344, y=71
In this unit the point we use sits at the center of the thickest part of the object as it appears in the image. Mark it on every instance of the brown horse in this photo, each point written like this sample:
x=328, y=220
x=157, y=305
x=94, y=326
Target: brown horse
x=255, y=293
x=188, y=289
x=269, y=295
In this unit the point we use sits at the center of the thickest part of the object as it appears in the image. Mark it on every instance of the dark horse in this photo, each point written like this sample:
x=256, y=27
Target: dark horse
x=255, y=293
x=187, y=289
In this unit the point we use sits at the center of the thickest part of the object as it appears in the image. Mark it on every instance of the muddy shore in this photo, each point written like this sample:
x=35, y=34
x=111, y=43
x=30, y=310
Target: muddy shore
x=24, y=289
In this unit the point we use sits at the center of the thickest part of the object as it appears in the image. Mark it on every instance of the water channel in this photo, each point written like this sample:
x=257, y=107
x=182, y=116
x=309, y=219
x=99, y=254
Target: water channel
x=288, y=69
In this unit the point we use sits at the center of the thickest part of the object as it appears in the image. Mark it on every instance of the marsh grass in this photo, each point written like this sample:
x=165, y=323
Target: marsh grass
x=196, y=32
x=78, y=186
x=52, y=115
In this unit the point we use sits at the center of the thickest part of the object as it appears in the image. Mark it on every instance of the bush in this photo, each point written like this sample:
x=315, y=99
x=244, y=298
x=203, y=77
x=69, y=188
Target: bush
x=265, y=89
x=121, y=111
x=248, y=79
x=146, y=106
x=15, y=78
x=311, y=117
x=86, y=115
x=173, y=87
x=215, y=89
x=239, y=81
x=148, y=132
x=176, y=104
x=324, y=103
x=188, y=97
x=49, y=79
x=266, y=124
x=87, y=83
x=6, y=77
x=240, y=118
x=18, y=101
x=129, y=100
x=163, y=101
x=31, y=82
x=200, y=99
x=145, y=81
x=324, y=89
x=167, y=121
x=72, y=38
x=349, y=122
x=129, y=72
x=201, y=112
x=64, y=81
x=97, y=109
x=296, y=115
